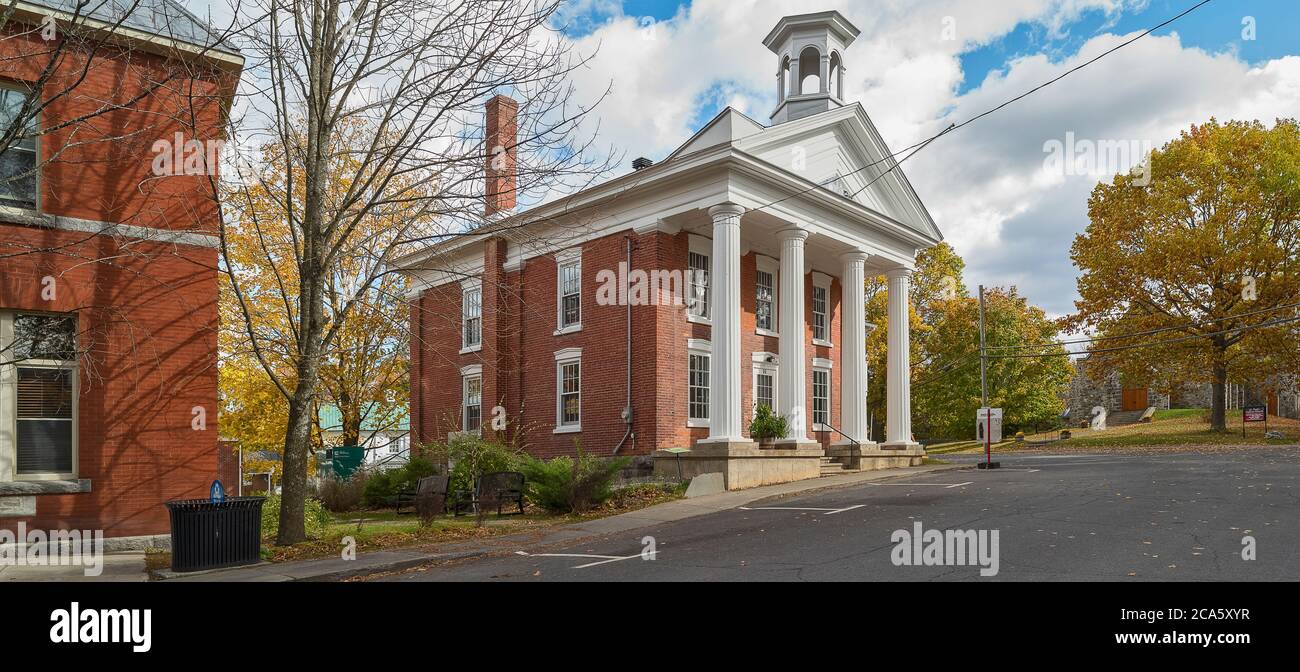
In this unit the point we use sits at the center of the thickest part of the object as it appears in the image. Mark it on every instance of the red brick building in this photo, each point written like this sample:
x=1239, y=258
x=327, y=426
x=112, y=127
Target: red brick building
x=108, y=266
x=761, y=237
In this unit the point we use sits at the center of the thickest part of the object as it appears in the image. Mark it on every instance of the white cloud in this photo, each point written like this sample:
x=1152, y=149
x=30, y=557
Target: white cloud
x=984, y=184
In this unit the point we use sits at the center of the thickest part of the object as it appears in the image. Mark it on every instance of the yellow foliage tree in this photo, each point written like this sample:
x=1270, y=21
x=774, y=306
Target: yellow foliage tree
x=1194, y=274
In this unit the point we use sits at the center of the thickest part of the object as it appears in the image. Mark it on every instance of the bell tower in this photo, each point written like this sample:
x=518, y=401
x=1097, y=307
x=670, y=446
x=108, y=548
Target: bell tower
x=810, y=70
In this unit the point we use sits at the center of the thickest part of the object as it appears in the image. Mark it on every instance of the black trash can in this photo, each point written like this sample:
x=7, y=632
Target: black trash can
x=208, y=535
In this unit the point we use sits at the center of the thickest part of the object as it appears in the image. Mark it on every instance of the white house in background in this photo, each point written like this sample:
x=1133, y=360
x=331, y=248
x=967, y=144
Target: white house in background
x=778, y=226
x=387, y=440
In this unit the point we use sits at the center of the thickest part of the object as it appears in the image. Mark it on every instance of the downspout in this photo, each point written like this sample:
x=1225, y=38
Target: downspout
x=627, y=410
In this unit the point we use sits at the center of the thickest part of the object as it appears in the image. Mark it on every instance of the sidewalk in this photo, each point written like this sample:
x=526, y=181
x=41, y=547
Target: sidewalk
x=338, y=569
x=119, y=566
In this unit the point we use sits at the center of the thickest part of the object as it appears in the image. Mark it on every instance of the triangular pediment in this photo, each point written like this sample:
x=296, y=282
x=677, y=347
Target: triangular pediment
x=842, y=150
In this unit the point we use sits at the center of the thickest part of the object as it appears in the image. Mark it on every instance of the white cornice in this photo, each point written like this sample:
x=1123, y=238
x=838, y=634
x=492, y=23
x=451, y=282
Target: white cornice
x=163, y=46
x=732, y=163
x=143, y=233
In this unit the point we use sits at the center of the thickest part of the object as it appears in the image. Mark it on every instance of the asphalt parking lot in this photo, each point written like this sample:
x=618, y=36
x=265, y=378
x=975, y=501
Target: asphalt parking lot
x=1159, y=517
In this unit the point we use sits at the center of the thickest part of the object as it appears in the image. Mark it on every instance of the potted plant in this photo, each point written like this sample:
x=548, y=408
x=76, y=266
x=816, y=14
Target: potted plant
x=767, y=427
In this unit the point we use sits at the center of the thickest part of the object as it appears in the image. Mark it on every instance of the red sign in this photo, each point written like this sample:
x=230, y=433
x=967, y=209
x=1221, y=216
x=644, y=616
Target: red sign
x=1255, y=414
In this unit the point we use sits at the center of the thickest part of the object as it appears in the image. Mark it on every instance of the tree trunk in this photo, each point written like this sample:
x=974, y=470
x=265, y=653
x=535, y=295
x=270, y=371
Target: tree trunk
x=297, y=440
x=293, y=483
x=1218, y=402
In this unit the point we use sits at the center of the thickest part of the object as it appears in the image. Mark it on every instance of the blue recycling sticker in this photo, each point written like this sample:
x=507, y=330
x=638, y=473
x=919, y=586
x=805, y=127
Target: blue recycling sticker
x=217, y=493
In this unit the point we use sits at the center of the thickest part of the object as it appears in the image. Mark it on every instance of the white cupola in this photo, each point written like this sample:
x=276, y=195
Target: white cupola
x=809, y=52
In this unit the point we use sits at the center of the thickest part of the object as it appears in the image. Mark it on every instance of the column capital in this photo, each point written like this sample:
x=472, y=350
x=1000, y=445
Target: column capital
x=854, y=256
x=726, y=210
x=900, y=272
x=793, y=233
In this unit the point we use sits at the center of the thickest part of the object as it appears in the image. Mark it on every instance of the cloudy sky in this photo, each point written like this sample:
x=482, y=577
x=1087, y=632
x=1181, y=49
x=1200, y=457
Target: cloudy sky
x=920, y=65
x=673, y=65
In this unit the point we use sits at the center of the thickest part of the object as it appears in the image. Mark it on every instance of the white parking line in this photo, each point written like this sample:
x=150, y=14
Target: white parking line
x=802, y=508
x=784, y=508
x=602, y=559
x=911, y=485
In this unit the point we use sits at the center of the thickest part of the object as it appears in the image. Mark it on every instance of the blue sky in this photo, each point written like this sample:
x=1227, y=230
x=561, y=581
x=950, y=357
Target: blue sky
x=1215, y=27
x=987, y=186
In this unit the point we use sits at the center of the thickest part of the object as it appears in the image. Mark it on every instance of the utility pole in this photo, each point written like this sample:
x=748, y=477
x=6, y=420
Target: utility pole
x=984, y=395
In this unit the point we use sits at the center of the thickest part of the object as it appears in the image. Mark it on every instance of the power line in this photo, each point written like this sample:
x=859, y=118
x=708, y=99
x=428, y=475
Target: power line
x=1097, y=339
x=1032, y=91
x=911, y=149
x=1261, y=325
x=948, y=370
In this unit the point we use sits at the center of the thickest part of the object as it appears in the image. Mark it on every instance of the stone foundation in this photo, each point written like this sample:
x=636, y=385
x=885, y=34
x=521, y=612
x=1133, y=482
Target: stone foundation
x=871, y=457
x=743, y=464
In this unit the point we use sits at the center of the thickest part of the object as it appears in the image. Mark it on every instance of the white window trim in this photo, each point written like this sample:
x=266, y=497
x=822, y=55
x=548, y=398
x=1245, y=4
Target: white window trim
x=563, y=357
x=819, y=364
x=704, y=246
x=9, y=402
x=824, y=281
x=564, y=258
x=765, y=362
x=466, y=374
x=768, y=265
x=698, y=346
x=466, y=286
x=18, y=211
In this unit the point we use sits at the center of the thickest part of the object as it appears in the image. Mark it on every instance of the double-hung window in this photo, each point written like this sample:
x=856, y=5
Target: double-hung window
x=38, y=396
x=819, y=313
x=471, y=316
x=763, y=310
x=472, y=406
x=697, y=281
x=569, y=291
x=764, y=381
x=765, y=320
x=568, y=390
x=697, y=382
x=18, y=158
x=821, y=397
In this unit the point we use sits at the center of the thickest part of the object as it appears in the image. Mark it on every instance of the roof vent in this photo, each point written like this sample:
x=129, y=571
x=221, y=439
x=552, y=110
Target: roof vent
x=641, y=162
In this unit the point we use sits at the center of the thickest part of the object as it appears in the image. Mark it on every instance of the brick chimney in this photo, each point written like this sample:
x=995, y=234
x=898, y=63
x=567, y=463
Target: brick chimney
x=500, y=138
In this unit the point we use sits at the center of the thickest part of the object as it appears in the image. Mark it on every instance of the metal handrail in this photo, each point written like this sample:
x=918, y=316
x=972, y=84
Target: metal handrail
x=837, y=431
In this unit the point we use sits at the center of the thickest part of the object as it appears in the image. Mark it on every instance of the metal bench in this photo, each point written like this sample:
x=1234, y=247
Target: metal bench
x=499, y=488
x=429, y=486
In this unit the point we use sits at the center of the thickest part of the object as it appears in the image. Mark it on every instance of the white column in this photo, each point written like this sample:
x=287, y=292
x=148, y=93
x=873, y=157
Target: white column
x=792, y=380
x=898, y=403
x=853, y=338
x=724, y=363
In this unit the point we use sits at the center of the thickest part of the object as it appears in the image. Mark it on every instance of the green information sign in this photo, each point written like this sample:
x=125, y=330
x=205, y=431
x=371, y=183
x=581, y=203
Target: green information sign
x=347, y=460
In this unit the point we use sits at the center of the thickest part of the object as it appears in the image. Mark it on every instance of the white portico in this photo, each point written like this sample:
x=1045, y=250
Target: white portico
x=787, y=219
x=853, y=219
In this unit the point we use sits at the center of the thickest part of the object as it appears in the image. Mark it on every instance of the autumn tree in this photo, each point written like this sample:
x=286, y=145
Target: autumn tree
x=945, y=352
x=415, y=74
x=1193, y=274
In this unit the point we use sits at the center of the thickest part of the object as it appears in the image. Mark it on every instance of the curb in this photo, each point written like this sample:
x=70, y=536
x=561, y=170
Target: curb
x=394, y=566
x=567, y=533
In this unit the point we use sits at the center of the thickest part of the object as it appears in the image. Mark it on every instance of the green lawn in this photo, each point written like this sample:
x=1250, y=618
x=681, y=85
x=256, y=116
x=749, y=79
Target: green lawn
x=384, y=529
x=1179, y=427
